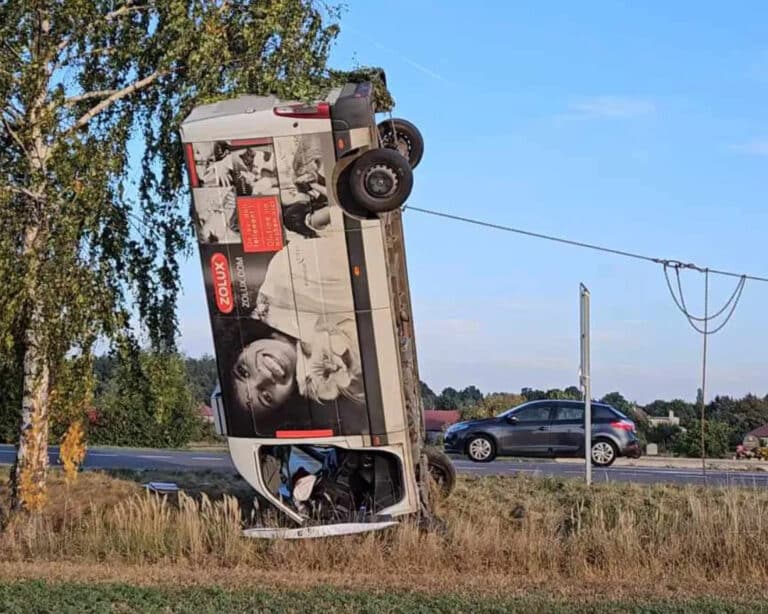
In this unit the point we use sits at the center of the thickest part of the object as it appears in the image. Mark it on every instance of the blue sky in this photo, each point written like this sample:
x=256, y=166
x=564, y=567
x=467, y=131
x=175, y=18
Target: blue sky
x=641, y=126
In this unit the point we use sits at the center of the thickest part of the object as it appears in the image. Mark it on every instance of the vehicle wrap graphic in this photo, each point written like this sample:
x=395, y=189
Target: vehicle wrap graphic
x=276, y=268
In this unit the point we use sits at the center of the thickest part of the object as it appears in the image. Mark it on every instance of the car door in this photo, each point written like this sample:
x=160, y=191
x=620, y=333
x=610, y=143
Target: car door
x=527, y=431
x=567, y=429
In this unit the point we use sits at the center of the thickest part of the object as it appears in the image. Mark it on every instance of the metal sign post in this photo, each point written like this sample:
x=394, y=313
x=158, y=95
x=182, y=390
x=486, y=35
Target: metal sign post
x=586, y=385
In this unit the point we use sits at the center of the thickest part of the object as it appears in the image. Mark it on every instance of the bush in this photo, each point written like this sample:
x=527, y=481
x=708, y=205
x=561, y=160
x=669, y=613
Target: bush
x=147, y=403
x=492, y=405
x=666, y=436
x=716, y=435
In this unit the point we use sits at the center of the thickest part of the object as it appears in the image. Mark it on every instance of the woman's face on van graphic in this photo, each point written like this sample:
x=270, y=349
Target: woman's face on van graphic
x=264, y=374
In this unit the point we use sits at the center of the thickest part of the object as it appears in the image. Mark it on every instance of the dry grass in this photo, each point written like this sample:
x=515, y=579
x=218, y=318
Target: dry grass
x=544, y=532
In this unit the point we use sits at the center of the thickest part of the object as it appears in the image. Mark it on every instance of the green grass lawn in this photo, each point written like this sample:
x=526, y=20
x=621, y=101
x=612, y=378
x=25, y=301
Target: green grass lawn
x=41, y=597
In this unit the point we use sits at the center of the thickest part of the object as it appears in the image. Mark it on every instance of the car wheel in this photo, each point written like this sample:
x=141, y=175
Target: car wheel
x=481, y=449
x=442, y=470
x=604, y=452
x=403, y=137
x=380, y=180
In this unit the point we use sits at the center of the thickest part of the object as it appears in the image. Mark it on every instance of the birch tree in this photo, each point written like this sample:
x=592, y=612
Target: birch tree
x=93, y=90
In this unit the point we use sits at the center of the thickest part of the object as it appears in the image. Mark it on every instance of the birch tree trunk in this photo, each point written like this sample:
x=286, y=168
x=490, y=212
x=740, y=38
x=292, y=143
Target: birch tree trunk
x=31, y=468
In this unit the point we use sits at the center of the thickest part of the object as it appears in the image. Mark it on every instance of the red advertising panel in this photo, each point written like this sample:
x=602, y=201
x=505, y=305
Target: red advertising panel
x=260, y=225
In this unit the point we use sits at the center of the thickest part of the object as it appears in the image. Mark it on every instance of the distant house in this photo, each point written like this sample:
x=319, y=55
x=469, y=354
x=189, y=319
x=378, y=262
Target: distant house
x=437, y=420
x=756, y=437
x=671, y=419
x=206, y=413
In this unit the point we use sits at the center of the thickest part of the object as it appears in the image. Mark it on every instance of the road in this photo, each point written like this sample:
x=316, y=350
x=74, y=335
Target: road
x=175, y=460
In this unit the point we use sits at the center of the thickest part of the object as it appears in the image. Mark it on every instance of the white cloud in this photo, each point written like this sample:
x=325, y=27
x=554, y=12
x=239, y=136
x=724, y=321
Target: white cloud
x=752, y=148
x=610, y=107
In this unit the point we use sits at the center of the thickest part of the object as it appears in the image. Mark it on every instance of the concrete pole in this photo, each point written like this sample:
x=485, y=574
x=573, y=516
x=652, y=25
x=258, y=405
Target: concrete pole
x=586, y=383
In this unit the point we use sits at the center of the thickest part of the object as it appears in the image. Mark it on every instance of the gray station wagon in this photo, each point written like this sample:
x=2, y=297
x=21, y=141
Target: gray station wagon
x=548, y=428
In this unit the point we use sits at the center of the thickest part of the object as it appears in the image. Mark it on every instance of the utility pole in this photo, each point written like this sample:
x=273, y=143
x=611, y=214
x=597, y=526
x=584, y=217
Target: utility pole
x=403, y=314
x=586, y=384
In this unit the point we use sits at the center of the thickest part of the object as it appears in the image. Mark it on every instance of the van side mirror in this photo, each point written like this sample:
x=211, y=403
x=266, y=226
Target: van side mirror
x=512, y=419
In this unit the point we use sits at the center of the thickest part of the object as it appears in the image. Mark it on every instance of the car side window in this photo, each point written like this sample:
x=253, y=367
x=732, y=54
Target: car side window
x=601, y=413
x=569, y=413
x=537, y=413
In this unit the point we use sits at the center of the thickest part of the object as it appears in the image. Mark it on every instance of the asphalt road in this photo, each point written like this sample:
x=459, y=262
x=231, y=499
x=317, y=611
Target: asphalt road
x=173, y=460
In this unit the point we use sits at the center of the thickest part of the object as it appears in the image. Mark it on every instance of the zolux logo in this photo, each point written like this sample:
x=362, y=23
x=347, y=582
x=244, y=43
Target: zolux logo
x=222, y=283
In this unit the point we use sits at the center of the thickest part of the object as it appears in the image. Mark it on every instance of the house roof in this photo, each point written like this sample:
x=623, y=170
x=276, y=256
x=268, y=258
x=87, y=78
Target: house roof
x=760, y=431
x=437, y=419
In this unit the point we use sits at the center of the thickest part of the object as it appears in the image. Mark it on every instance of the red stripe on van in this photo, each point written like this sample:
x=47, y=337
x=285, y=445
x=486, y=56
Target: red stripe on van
x=303, y=434
x=320, y=110
x=267, y=140
x=193, y=180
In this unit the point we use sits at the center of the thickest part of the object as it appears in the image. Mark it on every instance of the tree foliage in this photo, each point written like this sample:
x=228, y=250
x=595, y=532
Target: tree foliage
x=202, y=376
x=84, y=251
x=148, y=402
x=716, y=438
x=666, y=436
x=492, y=405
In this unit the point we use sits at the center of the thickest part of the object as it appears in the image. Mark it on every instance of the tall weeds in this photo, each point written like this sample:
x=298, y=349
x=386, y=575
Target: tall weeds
x=536, y=528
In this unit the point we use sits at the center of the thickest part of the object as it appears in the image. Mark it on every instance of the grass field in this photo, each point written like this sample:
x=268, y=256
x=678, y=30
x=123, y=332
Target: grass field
x=509, y=540
x=41, y=597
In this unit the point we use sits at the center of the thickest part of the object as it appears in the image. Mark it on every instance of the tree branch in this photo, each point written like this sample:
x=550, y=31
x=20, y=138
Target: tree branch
x=114, y=97
x=129, y=7
x=14, y=135
x=73, y=100
x=26, y=192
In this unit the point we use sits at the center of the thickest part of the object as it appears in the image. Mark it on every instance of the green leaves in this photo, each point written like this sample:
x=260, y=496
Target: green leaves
x=147, y=402
x=92, y=219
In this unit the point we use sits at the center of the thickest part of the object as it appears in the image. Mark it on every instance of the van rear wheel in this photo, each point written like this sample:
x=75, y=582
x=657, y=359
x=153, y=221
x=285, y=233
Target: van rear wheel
x=380, y=180
x=403, y=137
x=442, y=470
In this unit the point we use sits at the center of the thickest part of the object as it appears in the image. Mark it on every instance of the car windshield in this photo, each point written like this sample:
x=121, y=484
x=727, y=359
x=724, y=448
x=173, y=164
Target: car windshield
x=513, y=410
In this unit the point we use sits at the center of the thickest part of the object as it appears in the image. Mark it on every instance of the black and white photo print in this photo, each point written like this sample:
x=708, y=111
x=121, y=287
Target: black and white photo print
x=215, y=215
x=302, y=163
x=246, y=166
x=286, y=338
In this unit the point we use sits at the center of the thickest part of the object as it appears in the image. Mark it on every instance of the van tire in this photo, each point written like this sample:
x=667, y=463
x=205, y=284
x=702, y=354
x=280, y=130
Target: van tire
x=442, y=470
x=380, y=180
x=402, y=136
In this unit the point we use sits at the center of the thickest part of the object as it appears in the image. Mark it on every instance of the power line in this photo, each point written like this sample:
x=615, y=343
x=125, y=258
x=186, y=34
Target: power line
x=600, y=248
x=729, y=306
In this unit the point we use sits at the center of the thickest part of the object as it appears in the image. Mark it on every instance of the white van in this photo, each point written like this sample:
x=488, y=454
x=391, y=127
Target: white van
x=286, y=205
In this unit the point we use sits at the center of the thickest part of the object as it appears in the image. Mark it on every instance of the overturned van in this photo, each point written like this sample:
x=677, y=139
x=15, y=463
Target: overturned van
x=287, y=199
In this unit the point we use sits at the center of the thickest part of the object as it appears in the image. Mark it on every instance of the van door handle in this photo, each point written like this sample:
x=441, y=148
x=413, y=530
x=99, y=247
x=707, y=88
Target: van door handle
x=543, y=428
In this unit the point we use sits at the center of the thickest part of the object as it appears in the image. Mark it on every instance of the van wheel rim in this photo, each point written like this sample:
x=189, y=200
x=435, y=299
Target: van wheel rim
x=380, y=181
x=480, y=449
x=399, y=142
x=602, y=453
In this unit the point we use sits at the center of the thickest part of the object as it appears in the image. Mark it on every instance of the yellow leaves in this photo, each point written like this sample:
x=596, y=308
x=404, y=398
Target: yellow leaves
x=72, y=451
x=32, y=470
